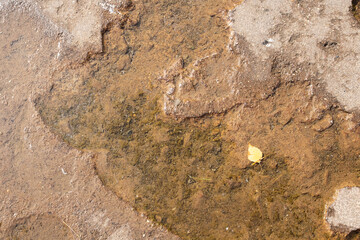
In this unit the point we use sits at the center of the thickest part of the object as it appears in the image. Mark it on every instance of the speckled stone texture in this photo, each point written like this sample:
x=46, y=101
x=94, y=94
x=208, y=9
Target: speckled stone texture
x=344, y=214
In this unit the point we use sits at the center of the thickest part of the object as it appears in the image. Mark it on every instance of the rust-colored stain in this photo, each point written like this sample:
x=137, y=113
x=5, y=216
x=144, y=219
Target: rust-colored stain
x=189, y=174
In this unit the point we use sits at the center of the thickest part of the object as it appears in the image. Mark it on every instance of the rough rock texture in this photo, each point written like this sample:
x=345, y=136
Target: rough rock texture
x=81, y=20
x=213, y=84
x=323, y=36
x=323, y=124
x=301, y=40
x=344, y=214
x=39, y=173
x=75, y=24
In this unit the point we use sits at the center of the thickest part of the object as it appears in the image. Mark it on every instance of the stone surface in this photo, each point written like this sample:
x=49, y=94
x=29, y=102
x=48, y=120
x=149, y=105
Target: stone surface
x=323, y=124
x=321, y=35
x=344, y=214
x=38, y=172
x=272, y=40
x=80, y=20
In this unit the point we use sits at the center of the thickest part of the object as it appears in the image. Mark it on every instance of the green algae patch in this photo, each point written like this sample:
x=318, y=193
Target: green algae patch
x=192, y=175
x=180, y=174
x=175, y=172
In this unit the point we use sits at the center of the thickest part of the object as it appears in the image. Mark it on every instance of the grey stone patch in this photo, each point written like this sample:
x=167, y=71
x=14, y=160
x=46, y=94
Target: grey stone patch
x=323, y=35
x=81, y=19
x=344, y=214
x=271, y=40
x=255, y=20
x=122, y=233
x=76, y=24
x=115, y=6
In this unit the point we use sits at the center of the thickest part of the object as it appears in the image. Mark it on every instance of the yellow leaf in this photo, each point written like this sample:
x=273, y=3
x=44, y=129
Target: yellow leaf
x=254, y=154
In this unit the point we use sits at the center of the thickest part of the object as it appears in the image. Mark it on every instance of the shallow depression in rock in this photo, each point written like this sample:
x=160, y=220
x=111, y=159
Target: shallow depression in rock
x=191, y=173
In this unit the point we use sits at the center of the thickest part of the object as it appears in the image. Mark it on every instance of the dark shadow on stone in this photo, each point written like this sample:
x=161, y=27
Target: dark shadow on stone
x=354, y=235
x=355, y=9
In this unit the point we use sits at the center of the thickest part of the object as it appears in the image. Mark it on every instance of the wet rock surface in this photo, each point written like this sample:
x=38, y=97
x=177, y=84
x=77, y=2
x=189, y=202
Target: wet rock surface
x=301, y=41
x=323, y=124
x=343, y=215
x=320, y=36
x=49, y=190
x=213, y=84
x=167, y=110
x=33, y=227
x=180, y=115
